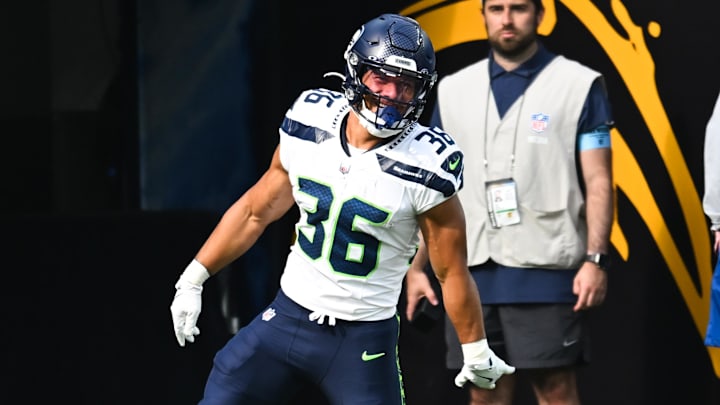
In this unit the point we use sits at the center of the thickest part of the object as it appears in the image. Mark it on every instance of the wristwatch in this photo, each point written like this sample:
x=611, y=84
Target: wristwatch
x=600, y=259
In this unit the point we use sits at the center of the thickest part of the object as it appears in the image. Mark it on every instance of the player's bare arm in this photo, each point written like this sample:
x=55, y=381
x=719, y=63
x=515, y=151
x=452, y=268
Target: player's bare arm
x=243, y=223
x=443, y=229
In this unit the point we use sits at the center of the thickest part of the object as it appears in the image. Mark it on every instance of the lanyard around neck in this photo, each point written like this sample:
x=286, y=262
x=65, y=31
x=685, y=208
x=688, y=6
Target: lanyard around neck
x=515, y=130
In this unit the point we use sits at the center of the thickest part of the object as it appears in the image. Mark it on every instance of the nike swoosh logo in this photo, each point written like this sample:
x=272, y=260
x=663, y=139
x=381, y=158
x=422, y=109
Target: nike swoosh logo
x=567, y=343
x=476, y=368
x=454, y=164
x=367, y=357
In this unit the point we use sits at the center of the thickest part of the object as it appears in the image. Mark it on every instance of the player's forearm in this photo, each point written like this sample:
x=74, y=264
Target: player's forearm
x=243, y=223
x=234, y=235
x=462, y=305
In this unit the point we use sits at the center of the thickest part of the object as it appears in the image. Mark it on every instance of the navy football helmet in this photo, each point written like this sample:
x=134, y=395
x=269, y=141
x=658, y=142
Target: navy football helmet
x=395, y=46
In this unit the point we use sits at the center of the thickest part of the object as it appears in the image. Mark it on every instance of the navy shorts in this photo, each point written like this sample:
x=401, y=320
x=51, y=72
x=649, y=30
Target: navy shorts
x=529, y=336
x=281, y=350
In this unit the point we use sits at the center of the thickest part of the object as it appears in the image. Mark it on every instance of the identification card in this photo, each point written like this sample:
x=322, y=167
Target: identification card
x=502, y=203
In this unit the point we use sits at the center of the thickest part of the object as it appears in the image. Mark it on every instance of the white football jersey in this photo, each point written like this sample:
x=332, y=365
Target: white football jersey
x=357, y=231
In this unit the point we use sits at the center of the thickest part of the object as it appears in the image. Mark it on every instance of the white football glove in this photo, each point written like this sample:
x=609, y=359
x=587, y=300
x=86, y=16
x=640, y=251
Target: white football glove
x=187, y=304
x=482, y=367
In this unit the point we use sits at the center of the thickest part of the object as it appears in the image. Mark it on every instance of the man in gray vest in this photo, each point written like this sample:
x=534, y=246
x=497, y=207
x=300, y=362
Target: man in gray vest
x=538, y=199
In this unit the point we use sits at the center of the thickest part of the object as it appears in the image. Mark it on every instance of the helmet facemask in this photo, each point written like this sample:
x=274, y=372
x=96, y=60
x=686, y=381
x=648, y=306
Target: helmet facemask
x=396, y=47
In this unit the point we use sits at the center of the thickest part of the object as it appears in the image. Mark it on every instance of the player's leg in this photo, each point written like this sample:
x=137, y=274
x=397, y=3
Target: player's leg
x=249, y=369
x=365, y=369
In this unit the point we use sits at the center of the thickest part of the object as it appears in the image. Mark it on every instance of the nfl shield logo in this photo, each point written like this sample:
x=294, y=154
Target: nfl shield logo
x=268, y=314
x=539, y=122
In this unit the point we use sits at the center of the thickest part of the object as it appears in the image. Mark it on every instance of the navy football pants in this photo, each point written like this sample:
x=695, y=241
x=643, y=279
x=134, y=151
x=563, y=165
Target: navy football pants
x=281, y=349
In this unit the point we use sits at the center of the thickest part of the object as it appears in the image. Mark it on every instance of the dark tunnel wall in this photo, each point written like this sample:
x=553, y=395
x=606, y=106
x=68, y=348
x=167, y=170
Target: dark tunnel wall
x=103, y=202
